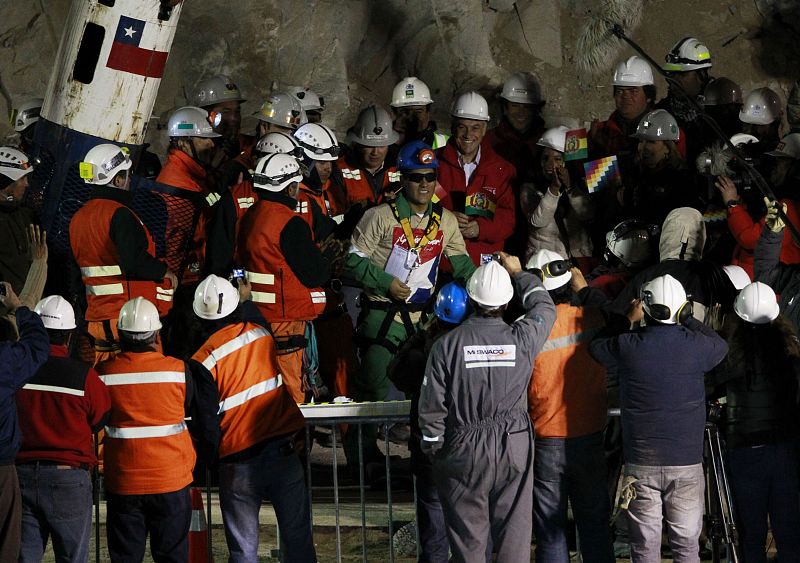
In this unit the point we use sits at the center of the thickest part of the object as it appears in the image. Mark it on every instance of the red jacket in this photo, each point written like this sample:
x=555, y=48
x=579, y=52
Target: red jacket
x=490, y=185
x=181, y=171
x=747, y=232
x=358, y=187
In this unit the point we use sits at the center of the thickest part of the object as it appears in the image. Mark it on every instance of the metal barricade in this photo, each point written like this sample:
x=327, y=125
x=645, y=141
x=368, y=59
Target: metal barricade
x=355, y=414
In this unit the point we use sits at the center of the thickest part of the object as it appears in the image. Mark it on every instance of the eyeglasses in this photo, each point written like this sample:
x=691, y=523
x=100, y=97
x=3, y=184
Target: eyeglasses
x=417, y=177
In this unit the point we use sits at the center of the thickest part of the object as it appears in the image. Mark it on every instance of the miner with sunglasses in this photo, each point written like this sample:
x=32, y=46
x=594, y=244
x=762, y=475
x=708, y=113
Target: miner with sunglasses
x=395, y=254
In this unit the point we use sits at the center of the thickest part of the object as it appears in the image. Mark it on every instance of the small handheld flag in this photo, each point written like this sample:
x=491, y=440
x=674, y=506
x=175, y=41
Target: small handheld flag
x=576, y=146
x=599, y=173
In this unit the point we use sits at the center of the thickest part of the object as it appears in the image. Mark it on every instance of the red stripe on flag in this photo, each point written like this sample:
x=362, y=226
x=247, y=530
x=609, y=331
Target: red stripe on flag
x=144, y=62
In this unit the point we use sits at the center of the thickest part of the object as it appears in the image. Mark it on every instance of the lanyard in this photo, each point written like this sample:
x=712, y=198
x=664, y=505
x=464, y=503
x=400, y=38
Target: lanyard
x=431, y=229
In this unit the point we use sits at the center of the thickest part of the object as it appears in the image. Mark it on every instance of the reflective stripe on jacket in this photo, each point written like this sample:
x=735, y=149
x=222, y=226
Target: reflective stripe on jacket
x=254, y=403
x=148, y=449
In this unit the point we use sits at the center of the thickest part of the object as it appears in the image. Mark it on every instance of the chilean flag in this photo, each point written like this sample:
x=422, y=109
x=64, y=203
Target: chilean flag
x=126, y=54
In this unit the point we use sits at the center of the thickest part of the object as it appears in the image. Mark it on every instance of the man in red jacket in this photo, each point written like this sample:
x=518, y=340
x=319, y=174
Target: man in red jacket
x=55, y=459
x=475, y=182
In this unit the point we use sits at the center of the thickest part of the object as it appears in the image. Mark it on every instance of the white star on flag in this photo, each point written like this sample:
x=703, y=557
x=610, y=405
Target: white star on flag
x=129, y=31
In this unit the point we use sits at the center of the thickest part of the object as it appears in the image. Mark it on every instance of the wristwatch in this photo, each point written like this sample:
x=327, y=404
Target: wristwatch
x=731, y=203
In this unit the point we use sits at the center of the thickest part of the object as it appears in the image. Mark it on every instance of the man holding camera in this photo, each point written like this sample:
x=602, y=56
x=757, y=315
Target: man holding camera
x=661, y=369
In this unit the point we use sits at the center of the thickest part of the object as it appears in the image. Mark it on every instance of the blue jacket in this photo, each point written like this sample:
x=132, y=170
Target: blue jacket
x=662, y=392
x=19, y=362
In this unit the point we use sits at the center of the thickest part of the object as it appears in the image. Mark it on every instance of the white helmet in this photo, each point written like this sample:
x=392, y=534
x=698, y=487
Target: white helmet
x=275, y=172
x=56, y=313
x=470, y=105
x=309, y=100
x=190, y=121
x=737, y=275
x=14, y=163
x=26, y=114
x=318, y=141
x=522, y=88
x=761, y=107
x=738, y=139
x=757, y=304
x=278, y=142
x=663, y=298
x=490, y=285
x=411, y=91
x=687, y=54
x=215, y=298
x=634, y=72
x=284, y=110
x=632, y=242
x=139, y=315
x=216, y=89
x=657, y=125
x=789, y=147
x=102, y=163
x=373, y=128
x=540, y=260
x=554, y=138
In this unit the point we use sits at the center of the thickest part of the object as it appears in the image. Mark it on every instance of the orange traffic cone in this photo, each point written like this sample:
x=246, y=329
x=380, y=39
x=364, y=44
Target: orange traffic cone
x=199, y=551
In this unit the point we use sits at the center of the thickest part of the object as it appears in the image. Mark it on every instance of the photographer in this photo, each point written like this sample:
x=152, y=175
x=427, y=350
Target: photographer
x=759, y=380
x=662, y=397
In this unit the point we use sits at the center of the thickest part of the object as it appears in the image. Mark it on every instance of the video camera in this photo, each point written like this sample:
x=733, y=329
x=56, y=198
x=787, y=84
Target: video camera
x=719, y=160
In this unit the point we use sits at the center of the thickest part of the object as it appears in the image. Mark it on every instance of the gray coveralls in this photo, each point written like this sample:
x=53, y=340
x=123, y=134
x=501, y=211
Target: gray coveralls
x=473, y=413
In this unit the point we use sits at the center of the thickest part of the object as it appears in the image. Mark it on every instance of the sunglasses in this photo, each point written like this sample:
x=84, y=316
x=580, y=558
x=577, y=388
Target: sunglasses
x=417, y=177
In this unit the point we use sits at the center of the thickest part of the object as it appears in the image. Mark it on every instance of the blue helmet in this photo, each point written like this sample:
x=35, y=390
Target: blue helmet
x=452, y=303
x=416, y=155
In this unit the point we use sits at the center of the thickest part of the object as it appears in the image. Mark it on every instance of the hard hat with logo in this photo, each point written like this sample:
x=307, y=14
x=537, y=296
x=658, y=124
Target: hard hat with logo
x=416, y=155
x=216, y=297
x=634, y=72
x=26, y=114
x=522, y=88
x=789, y=147
x=554, y=138
x=452, y=303
x=721, y=91
x=761, y=107
x=318, y=141
x=663, y=298
x=282, y=109
x=102, y=163
x=278, y=142
x=373, y=128
x=757, y=304
x=14, y=164
x=139, y=315
x=737, y=275
x=657, y=125
x=687, y=54
x=411, y=91
x=540, y=260
x=470, y=105
x=309, y=100
x=56, y=313
x=190, y=121
x=632, y=242
x=490, y=285
x=275, y=172
x=216, y=89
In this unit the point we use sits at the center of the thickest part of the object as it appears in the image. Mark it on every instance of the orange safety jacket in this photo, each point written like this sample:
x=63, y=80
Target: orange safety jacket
x=358, y=187
x=254, y=404
x=277, y=292
x=148, y=449
x=567, y=393
x=107, y=287
x=244, y=197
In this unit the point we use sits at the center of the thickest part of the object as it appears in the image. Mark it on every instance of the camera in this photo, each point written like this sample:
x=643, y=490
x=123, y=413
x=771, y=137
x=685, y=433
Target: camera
x=237, y=274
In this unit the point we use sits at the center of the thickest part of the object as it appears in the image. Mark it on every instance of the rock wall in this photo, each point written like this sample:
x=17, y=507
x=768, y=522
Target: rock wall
x=354, y=51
